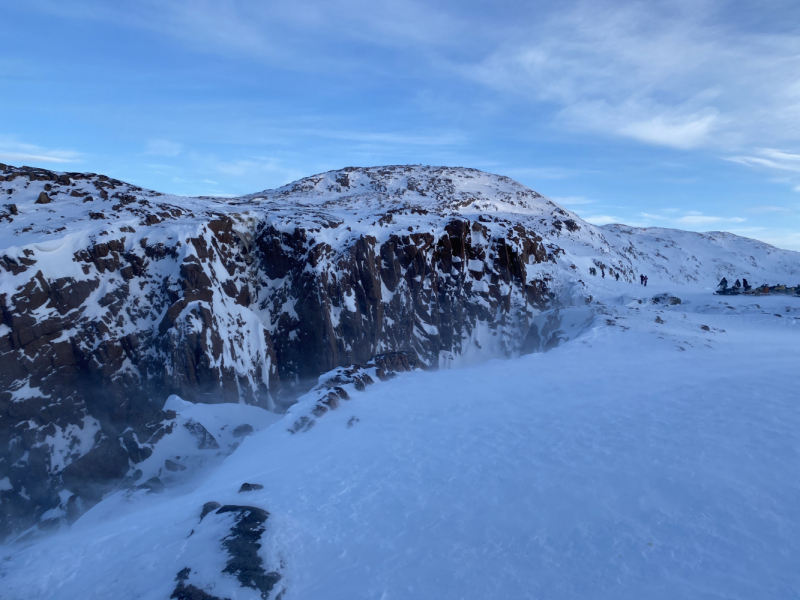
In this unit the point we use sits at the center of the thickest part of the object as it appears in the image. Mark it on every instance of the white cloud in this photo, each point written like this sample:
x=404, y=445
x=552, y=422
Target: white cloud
x=755, y=161
x=540, y=173
x=17, y=152
x=707, y=220
x=602, y=219
x=684, y=132
x=676, y=73
x=779, y=155
x=163, y=148
x=305, y=37
x=571, y=200
x=690, y=218
x=652, y=217
x=257, y=168
x=769, y=209
x=378, y=137
x=770, y=159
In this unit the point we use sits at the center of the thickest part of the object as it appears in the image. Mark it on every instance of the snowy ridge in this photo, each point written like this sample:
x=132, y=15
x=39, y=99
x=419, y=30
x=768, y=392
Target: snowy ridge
x=114, y=297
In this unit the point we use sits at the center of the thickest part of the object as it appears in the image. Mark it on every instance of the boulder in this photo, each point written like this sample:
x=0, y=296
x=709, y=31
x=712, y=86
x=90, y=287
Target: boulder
x=666, y=299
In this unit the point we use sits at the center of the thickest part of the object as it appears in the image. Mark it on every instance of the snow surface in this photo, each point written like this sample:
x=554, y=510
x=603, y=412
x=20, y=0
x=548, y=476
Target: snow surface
x=655, y=455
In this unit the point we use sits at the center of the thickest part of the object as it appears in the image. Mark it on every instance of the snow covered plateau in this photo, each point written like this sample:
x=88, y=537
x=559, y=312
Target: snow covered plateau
x=391, y=383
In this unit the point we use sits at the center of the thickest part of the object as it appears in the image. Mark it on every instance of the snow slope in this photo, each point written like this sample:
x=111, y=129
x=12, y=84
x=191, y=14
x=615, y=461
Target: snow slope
x=114, y=297
x=653, y=456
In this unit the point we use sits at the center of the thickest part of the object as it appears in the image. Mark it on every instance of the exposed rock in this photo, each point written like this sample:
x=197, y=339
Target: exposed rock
x=171, y=465
x=242, y=545
x=205, y=441
x=666, y=298
x=184, y=591
x=153, y=485
x=250, y=487
x=43, y=198
x=242, y=430
x=209, y=507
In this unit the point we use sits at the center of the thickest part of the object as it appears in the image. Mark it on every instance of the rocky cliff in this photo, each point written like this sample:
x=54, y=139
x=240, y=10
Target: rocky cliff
x=114, y=297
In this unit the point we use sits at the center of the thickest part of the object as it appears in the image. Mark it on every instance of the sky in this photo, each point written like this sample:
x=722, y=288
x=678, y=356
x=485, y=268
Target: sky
x=678, y=113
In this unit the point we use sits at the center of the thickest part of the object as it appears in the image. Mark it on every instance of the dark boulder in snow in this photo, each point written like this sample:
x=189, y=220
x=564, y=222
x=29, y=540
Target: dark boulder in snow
x=153, y=485
x=209, y=507
x=241, y=543
x=666, y=298
x=187, y=591
x=250, y=487
x=242, y=430
x=171, y=465
x=204, y=440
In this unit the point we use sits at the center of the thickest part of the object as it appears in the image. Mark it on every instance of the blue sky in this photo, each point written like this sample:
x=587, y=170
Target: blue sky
x=675, y=114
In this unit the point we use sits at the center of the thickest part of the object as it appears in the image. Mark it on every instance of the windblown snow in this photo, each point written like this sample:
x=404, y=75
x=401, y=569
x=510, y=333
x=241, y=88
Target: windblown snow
x=648, y=447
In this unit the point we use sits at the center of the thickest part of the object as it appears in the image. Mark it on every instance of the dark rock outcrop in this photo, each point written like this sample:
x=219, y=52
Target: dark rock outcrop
x=241, y=544
x=250, y=487
x=243, y=300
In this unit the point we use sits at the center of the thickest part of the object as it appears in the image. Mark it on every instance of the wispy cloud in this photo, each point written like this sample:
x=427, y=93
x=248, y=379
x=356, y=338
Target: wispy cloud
x=163, y=148
x=777, y=161
x=768, y=158
x=282, y=33
x=707, y=220
x=18, y=152
x=533, y=173
x=256, y=168
x=675, y=73
x=602, y=219
x=760, y=210
x=382, y=137
x=572, y=200
x=689, y=218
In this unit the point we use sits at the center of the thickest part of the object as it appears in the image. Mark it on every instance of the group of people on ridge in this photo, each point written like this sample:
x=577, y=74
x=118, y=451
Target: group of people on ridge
x=742, y=287
x=737, y=286
x=593, y=271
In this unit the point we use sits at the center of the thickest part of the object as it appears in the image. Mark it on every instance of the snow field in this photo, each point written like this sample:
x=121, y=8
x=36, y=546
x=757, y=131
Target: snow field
x=615, y=466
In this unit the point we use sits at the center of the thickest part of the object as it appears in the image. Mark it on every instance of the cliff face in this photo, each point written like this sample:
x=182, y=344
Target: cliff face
x=114, y=297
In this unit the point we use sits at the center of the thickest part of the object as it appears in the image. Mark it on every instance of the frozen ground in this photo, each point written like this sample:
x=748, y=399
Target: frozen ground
x=640, y=460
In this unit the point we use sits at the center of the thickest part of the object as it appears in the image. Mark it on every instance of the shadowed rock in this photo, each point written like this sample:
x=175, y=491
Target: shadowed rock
x=242, y=545
x=242, y=430
x=205, y=441
x=250, y=487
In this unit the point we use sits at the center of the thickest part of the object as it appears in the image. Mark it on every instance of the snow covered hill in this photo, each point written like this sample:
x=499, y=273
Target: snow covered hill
x=114, y=297
x=653, y=456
